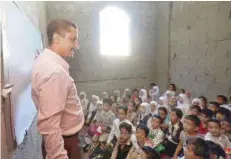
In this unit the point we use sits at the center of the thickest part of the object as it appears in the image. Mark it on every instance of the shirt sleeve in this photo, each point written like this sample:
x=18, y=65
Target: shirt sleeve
x=228, y=144
x=52, y=99
x=112, y=133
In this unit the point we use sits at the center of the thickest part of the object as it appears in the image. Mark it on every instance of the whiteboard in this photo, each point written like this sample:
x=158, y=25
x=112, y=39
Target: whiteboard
x=21, y=40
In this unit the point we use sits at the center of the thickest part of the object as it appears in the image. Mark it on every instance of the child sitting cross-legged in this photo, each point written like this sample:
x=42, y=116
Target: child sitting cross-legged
x=124, y=143
x=174, y=130
x=144, y=151
x=115, y=130
x=156, y=135
x=103, y=121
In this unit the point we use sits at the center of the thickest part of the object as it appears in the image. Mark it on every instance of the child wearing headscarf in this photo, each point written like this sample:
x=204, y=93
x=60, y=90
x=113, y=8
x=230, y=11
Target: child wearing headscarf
x=104, y=95
x=183, y=103
x=143, y=111
x=126, y=92
x=84, y=102
x=154, y=93
x=143, y=95
x=92, y=109
x=116, y=94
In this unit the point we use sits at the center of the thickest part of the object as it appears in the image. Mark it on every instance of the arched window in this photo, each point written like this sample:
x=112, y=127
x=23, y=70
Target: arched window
x=114, y=32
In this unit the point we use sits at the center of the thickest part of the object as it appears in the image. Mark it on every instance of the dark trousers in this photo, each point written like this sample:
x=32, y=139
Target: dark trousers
x=72, y=145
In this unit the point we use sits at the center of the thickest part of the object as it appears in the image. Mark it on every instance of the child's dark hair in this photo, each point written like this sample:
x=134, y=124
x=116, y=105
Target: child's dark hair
x=174, y=86
x=182, y=90
x=196, y=107
x=108, y=101
x=215, y=104
x=207, y=112
x=204, y=98
x=178, y=112
x=126, y=126
x=216, y=149
x=228, y=120
x=214, y=121
x=124, y=108
x=163, y=109
x=152, y=85
x=143, y=127
x=224, y=98
x=200, y=147
x=194, y=119
x=224, y=111
x=151, y=152
x=135, y=90
x=157, y=117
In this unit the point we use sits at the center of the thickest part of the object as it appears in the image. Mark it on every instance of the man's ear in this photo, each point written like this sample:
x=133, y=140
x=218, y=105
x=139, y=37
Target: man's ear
x=56, y=38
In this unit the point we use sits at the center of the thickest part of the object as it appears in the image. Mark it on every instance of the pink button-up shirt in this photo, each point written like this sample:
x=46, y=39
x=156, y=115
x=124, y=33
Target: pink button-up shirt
x=55, y=96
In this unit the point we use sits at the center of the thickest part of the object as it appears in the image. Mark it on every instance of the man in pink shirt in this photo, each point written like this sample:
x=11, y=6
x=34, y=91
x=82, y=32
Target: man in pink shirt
x=60, y=115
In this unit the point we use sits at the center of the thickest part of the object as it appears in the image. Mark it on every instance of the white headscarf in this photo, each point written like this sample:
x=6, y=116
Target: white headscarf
x=164, y=100
x=172, y=93
x=96, y=97
x=93, y=106
x=104, y=93
x=156, y=104
x=184, y=106
x=154, y=92
x=197, y=100
x=147, y=111
x=144, y=95
x=126, y=90
x=84, y=102
x=118, y=95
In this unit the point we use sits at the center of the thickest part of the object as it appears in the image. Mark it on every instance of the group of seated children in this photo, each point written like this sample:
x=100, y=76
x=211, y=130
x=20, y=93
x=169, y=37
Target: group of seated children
x=146, y=125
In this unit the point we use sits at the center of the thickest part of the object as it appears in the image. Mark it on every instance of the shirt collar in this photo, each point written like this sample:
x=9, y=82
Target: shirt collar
x=57, y=58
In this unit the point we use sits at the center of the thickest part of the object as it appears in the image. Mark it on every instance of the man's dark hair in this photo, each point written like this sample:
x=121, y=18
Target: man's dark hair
x=224, y=111
x=216, y=149
x=143, y=127
x=124, y=108
x=196, y=107
x=194, y=119
x=215, y=104
x=108, y=101
x=214, y=121
x=199, y=147
x=178, y=112
x=126, y=126
x=58, y=26
x=224, y=98
x=207, y=112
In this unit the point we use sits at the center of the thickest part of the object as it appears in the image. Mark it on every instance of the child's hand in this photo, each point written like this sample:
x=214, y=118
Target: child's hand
x=87, y=121
x=108, y=145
